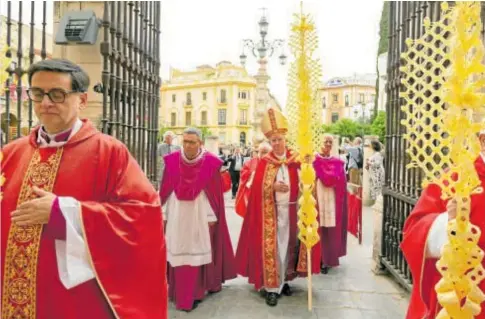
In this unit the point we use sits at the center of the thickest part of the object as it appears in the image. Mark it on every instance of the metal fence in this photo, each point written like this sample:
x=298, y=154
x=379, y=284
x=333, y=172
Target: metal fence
x=131, y=81
x=24, y=39
x=402, y=187
x=130, y=76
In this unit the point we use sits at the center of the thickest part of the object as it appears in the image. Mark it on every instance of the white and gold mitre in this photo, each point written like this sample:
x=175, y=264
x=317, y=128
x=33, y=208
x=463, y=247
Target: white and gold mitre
x=273, y=122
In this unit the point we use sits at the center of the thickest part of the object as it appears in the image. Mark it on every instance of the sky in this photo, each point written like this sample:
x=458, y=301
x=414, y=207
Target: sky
x=208, y=31
x=196, y=32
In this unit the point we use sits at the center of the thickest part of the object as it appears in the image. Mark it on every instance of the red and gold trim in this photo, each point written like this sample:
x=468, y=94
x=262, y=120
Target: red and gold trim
x=302, y=265
x=21, y=257
x=269, y=244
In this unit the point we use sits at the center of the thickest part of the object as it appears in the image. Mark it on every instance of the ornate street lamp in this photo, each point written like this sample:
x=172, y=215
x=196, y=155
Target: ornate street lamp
x=262, y=49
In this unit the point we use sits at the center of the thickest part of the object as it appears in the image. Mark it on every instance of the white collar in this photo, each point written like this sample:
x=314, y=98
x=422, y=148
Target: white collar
x=43, y=143
x=196, y=159
x=282, y=157
x=482, y=154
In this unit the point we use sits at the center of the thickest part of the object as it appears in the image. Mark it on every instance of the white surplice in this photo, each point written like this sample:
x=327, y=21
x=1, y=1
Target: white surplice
x=187, y=231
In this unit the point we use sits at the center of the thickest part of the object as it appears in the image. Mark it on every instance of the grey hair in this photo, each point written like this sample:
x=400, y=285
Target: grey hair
x=79, y=77
x=264, y=145
x=168, y=133
x=193, y=130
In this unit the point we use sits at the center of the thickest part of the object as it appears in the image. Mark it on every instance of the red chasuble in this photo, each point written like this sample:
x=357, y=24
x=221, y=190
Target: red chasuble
x=257, y=254
x=424, y=302
x=122, y=224
x=243, y=192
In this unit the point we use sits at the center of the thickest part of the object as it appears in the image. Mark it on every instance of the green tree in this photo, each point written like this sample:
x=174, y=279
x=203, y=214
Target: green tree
x=205, y=132
x=347, y=128
x=378, y=126
x=383, y=45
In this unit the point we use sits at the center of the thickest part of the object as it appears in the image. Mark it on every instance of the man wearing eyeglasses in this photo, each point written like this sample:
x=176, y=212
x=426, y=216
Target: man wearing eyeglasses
x=78, y=215
x=199, y=250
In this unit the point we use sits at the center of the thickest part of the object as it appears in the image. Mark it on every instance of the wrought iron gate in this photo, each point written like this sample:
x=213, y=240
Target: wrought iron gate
x=402, y=186
x=23, y=41
x=131, y=81
x=130, y=50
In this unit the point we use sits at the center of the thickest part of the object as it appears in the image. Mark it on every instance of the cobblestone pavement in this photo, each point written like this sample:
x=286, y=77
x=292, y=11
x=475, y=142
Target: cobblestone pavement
x=350, y=291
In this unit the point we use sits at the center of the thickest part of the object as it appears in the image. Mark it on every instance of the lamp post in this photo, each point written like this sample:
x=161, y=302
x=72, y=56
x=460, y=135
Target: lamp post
x=262, y=49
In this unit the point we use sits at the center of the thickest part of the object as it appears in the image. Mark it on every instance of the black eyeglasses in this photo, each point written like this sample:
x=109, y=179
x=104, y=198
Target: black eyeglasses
x=55, y=95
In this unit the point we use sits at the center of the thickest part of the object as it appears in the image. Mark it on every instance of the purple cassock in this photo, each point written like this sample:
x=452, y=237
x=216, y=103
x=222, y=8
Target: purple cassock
x=186, y=181
x=330, y=171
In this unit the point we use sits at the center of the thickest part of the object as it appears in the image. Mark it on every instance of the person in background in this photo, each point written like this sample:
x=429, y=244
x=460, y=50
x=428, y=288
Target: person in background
x=247, y=175
x=235, y=162
x=165, y=148
x=375, y=166
x=356, y=161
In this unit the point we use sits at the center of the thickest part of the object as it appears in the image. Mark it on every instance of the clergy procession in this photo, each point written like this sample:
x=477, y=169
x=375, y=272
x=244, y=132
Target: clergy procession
x=107, y=220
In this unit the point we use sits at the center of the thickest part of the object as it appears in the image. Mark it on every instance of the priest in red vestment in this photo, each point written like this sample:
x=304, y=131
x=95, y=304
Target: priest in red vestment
x=199, y=249
x=268, y=251
x=246, y=179
x=81, y=233
x=331, y=191
x=424, y=235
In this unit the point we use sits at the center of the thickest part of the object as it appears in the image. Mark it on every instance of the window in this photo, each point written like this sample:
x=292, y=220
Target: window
x=189, y=99
x=223, y=96
x=243, y=95
x=203, y=118
x=221, y=117
x=361, y=98
x=204, y=96
x=373, y=97
x=334, y=117
x=335, y=98
x=173, y=119
x=243, y=117
x=174, y=98
x=346, y=100
x=324, y=102
x=188, y=118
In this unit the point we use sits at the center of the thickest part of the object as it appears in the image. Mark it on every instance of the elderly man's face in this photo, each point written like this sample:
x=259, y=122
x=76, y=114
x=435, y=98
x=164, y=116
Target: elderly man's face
x=278, y=143
x=191, y=144
x=168, y=139
x=60, y=115
x=327, y=145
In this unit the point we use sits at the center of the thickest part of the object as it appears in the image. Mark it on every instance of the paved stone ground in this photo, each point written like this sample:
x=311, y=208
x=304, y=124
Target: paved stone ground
x=351, y=291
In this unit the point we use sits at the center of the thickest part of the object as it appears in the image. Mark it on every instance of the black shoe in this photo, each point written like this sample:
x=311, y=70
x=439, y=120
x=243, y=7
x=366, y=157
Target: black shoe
x=194, y=305
x=272, y=299
x=286, y=290
x=324, y=270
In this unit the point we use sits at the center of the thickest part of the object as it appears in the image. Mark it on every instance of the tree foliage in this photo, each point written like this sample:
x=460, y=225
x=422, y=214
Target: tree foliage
x=378, y=126
x=351, y=129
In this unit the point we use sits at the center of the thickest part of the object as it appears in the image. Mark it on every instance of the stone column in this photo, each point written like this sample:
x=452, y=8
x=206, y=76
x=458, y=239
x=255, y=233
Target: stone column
x=366, y=199
x=211, y=144
x=378, y=210
x=87, y=56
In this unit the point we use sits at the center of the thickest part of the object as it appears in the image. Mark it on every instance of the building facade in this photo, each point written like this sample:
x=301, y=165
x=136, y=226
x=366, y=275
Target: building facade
x=221, y=99
x=348, y=98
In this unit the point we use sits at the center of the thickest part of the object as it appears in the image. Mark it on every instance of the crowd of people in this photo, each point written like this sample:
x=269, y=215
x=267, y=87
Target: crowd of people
x=84, y=234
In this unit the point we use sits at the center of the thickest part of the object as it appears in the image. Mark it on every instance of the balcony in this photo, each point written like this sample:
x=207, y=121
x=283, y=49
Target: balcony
x=188, y=103
x=243, y=123
x=221, y=101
